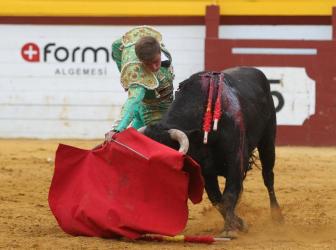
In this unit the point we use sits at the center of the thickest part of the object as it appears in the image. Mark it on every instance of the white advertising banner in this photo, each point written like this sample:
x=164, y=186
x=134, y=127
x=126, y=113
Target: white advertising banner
x=59, y=81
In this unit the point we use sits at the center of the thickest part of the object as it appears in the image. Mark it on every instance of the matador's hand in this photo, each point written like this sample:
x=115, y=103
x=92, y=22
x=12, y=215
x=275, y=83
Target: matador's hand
x=109, y=135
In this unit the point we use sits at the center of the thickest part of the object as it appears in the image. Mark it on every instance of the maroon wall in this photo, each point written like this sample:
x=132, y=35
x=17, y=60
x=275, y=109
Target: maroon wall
x=320, y=128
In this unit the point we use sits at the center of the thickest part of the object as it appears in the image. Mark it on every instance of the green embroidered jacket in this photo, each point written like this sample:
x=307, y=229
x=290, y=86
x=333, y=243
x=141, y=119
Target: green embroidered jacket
x=149, y=94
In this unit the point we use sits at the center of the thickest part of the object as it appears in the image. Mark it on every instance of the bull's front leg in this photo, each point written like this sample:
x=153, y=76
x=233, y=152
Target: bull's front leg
x=210, y=179
x=230, y=197
x=212, y=188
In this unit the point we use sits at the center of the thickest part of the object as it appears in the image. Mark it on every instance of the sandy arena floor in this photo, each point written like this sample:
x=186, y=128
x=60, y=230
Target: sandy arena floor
x=305, y=185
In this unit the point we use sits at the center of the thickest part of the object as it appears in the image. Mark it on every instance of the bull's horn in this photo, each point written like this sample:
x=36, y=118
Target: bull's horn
x=142, y=129
x=182, y=139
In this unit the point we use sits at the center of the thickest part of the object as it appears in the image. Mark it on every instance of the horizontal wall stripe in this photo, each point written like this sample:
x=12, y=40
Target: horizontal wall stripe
x=50, y=119
x=278, y=32
x=164, y=20
x=274, y=51
x=164, y=8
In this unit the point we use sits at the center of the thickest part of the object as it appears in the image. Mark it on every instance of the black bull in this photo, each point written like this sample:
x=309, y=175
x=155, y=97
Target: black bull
x=247, y=122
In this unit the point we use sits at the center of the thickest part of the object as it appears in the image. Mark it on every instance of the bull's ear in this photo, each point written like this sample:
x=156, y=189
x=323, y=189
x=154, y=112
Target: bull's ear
x=194, y=135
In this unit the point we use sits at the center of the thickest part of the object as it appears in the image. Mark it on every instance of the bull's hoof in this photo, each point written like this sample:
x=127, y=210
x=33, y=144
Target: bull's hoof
x=234, y=225
x=238, y=224
x=243, y=227
x=231, y=234
x=277, y=215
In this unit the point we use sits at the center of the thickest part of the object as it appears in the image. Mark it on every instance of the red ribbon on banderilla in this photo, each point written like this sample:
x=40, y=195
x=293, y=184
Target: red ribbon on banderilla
x=214, y=116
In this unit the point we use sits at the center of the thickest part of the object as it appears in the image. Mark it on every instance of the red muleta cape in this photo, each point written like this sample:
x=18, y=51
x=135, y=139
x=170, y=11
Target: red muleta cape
x=128, y=187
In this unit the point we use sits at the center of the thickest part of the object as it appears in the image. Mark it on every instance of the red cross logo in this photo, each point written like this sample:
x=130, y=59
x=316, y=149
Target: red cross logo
x=30, y=52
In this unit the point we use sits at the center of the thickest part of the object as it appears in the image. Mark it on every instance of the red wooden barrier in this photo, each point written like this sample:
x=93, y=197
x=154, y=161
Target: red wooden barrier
x=320, y=65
